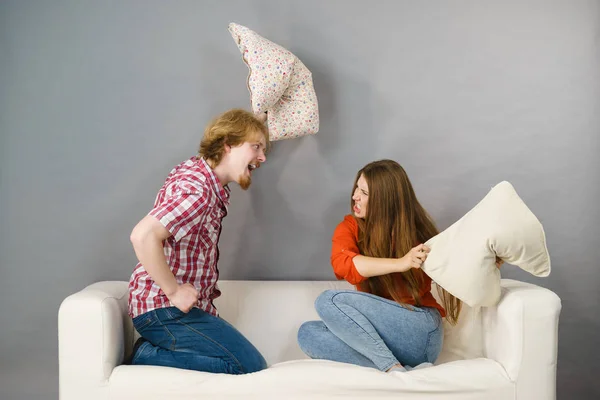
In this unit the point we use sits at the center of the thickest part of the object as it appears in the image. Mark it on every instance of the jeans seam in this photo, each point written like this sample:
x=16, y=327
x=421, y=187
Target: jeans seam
x=137, y=354
x=357, y=324
x=172, y=347
x=427, y=346
x=429, y=339
x=171, y=315
x=383, y=300
x=224, y=349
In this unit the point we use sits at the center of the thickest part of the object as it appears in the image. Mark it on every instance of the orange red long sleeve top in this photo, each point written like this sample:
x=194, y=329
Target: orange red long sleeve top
x=345, y=247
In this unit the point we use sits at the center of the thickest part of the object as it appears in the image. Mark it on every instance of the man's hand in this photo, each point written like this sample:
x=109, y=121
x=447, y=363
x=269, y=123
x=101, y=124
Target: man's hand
x=184, y=298
x=414, y=258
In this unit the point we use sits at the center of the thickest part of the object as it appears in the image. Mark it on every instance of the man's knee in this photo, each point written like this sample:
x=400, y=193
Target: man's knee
x=255, y=364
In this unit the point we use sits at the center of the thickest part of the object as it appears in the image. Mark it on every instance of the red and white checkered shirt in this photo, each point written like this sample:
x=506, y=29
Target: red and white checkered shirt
x=191, y=205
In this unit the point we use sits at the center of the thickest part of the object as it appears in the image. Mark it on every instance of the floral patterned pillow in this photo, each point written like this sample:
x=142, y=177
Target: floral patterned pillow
x=279, y=84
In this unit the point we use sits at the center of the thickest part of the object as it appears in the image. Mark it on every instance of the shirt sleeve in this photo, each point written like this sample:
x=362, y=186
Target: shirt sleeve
x=182, y=212
x=344, y=248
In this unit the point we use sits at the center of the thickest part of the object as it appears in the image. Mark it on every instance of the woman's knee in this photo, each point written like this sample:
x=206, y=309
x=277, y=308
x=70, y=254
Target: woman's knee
x=324, y=299
x=325, y=302
x=309, y=335
x=328, y=303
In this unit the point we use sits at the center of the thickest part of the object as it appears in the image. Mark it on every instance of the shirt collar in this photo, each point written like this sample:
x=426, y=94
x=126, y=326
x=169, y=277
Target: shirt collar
x=207, y=171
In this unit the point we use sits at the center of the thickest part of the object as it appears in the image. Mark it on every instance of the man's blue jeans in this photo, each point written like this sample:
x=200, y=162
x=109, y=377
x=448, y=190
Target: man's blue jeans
x=196, y=340
x=364, y=329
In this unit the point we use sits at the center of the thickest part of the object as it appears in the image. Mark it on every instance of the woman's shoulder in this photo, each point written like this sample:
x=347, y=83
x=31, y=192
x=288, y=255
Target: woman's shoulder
x=348, y=224
x=349, y=221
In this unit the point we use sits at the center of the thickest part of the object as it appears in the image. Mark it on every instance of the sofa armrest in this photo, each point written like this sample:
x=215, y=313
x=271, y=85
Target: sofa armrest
x=521, y=333
x=94, y=333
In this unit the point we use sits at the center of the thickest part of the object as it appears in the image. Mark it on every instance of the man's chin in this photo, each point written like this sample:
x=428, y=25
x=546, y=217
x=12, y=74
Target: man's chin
x=244, y=182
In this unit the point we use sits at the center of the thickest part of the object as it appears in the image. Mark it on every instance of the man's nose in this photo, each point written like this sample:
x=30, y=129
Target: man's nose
x=262, y=157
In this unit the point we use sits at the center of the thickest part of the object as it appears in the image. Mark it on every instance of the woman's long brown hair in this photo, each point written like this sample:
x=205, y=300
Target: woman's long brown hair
x=395, y=223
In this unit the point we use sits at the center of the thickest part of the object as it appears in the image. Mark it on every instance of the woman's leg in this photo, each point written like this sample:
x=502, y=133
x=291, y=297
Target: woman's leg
x=317, y=341
x=382, y=330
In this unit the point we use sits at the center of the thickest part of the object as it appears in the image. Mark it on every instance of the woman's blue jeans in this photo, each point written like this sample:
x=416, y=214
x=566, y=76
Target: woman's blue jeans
x=196, y=340
x=364, y=329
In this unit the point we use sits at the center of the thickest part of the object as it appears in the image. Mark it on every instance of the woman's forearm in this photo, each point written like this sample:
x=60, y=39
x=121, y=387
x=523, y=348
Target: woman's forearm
x=372, y=266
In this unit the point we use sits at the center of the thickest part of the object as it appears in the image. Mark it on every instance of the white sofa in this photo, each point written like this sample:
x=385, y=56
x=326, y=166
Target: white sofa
x=504, y=352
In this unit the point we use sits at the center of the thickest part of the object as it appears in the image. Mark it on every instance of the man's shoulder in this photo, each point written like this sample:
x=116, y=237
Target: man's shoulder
x=186, y=178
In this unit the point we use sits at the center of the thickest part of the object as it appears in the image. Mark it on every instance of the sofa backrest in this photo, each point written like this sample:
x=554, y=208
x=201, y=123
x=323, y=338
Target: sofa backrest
x=269, y=314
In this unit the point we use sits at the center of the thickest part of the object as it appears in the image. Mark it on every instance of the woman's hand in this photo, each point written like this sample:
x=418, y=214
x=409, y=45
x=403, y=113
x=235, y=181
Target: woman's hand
x=414, y=258
x=499, y=262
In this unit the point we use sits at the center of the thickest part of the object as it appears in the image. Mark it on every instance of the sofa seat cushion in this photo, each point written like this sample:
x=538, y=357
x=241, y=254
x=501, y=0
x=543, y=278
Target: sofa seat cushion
x=311, y=379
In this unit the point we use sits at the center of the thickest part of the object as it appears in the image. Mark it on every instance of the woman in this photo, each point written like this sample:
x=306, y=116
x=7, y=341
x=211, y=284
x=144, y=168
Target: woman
x=392, y=322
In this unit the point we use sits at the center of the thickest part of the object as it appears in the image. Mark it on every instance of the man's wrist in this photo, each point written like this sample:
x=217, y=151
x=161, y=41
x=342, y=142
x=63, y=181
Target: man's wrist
x=170, y=290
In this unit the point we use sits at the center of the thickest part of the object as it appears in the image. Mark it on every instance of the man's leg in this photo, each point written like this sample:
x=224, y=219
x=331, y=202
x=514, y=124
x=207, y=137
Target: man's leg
x=196, y=340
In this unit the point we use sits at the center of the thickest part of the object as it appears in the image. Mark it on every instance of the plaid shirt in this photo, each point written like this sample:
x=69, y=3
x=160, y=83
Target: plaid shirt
x=191, y=205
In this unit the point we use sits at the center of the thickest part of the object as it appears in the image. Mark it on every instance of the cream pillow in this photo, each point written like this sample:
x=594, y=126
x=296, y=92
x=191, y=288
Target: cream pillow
x=279, y=84
x=462, y=258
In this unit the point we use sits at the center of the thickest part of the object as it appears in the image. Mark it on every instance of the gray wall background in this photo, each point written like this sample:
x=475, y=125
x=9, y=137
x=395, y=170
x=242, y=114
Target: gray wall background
x=100, y=99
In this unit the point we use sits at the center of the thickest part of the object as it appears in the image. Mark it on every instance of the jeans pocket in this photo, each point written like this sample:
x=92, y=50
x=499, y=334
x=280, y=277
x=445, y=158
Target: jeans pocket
x=143, y=321
x=173, y=313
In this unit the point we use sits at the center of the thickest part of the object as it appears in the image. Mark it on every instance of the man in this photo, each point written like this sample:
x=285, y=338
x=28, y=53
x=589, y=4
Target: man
x=172, y=288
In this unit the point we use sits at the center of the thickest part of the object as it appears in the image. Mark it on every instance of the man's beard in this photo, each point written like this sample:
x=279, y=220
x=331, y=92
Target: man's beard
x=245, y=182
